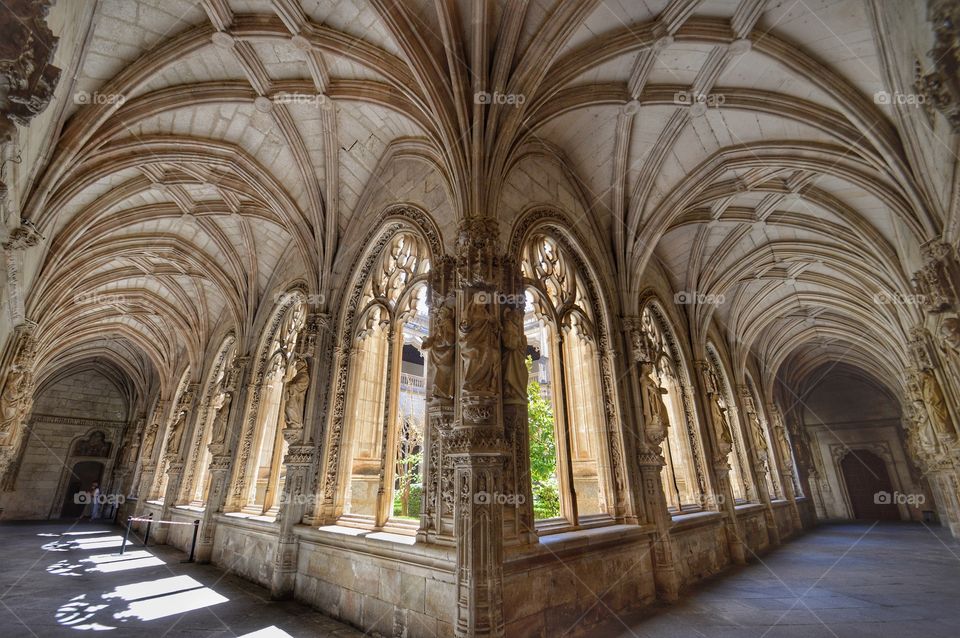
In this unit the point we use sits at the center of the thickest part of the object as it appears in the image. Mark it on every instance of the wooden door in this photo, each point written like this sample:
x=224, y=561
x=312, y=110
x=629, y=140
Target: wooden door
x=866, y=477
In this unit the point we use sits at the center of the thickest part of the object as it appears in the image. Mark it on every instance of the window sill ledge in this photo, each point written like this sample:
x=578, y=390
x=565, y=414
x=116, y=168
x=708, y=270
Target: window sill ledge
x=190, y=508
x=683, y=522
x=379, y=543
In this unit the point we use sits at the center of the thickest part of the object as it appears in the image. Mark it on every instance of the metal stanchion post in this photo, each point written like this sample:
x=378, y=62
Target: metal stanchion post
x=193, y=543
x=146, y=536
x=126, y=535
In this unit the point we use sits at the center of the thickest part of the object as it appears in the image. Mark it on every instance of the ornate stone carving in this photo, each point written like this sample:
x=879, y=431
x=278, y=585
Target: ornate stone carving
x=480, y=345
x=22, y=237
x=94, y=444
x=297, y=380
x=941, y=86
x=655, y=418
x=26, y=74
x=514, y=365
x=937, y=282
x=441, y=344
x=936, y=405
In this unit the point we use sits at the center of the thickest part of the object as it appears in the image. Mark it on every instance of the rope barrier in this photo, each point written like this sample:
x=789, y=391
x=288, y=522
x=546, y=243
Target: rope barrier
x=151, y=520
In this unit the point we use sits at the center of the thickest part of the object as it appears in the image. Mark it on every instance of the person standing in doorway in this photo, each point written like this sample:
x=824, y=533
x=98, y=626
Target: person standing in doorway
x=95, y=498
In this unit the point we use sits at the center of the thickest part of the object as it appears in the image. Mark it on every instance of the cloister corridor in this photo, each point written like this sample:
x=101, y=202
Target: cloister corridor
x=896, y=580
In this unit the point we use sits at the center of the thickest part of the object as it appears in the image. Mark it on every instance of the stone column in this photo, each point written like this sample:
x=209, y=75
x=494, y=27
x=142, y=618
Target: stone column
x=436, y=517
x=293, y=504
x=477, y=444
x=651, y=432
x=143, y=481
x=300, y=396
x=760, y=455
x=665, y=575
x=721, y=444
x=179, y=430
x=229, y=414
x=785, y=463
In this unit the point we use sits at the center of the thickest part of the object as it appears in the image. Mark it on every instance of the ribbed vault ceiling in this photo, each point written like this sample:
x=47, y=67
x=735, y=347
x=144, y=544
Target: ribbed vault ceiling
x=254, y=136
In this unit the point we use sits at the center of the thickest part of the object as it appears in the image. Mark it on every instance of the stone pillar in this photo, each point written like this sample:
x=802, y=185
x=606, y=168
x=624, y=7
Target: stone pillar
x=174, y=457
x=477, y=444
x=436, y=517
x=785, y=463
x=293, y=502
x=760, y=456
x=652, y=430
x=721, y=443
x=665, y=575
x=220, y=465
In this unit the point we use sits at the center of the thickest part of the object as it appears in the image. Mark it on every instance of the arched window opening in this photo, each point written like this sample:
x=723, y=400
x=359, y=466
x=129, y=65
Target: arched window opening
x=387, y=390
x=739, y=469
x=683, y=483
x=567, y=436
x=269, y=447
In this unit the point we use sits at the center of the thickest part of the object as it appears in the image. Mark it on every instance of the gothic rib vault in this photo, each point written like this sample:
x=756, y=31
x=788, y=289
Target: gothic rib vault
x=227, y=210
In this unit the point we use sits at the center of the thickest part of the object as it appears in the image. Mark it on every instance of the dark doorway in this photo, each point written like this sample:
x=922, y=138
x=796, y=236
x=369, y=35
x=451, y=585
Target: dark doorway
x=868, y=484
x=85, y=474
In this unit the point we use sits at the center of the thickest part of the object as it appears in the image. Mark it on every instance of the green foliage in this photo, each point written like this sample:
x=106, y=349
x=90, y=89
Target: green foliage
x=543, y=451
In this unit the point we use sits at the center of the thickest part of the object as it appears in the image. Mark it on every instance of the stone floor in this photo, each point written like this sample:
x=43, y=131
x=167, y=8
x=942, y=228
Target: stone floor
x=899, y=580
x=896, y=580
x=64, y=579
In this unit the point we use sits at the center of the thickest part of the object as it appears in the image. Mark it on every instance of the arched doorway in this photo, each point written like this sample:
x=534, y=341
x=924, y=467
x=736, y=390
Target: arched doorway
x=83, y=476
x=869, y=486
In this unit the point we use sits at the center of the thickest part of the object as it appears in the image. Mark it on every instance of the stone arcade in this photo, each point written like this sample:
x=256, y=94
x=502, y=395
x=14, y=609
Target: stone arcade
x=479, y=317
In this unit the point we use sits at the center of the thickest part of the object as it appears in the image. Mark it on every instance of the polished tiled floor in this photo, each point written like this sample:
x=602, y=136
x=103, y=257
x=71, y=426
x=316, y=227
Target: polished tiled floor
x=59, y=579
x=839, y=581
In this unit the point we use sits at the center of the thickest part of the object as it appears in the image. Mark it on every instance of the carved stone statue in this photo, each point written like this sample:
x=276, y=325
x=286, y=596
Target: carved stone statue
x=148, y=440
x=176, y=432
x=221, y=414
x=655, y=416
x=515, y=375
x=441, y=345
x=718, y=415
x=94, y=445
x=936, y=405
x=480, y=348
x=12, y=399
x=295, y=389
x=950, y=332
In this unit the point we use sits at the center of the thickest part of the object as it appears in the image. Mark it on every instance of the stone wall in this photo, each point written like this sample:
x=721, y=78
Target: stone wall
x=553, y=586
x=245, y=547
x=753, y=528
x=393, y=588
x=700, y=547
x=63, y=412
